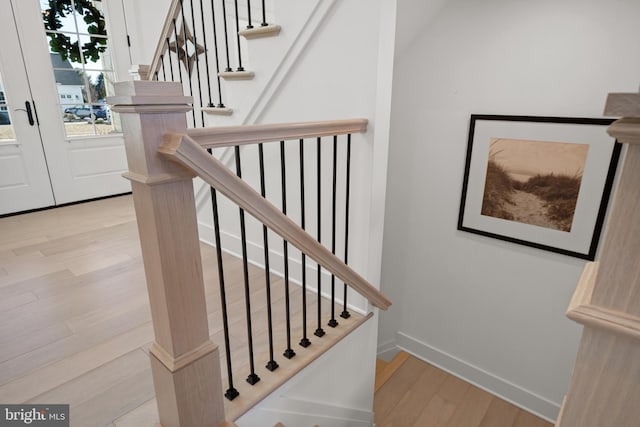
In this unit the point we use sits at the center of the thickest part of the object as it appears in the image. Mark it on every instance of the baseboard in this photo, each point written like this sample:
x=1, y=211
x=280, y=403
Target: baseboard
x=295, y=412
x=487, y=381
x=387, y=350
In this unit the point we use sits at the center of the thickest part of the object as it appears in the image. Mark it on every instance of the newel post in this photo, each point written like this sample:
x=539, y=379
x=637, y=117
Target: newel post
x=605, y=386
x=184, y=361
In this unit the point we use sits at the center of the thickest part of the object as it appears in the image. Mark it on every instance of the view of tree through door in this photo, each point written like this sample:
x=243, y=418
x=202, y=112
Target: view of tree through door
x=63, y=73
x=82, y=66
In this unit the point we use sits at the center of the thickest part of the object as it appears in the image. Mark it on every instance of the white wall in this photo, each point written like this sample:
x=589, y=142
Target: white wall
x=487, y=310
x=145, y=19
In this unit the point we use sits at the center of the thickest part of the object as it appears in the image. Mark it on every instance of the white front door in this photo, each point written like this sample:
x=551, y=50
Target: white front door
x=24, y=178
x=73, y=150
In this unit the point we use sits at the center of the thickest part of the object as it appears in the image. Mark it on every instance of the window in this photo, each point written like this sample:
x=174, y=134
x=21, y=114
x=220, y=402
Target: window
x=82, y=66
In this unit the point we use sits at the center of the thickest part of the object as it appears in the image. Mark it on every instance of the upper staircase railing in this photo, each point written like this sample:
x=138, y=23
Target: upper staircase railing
x=163, y=158
x=200, y=43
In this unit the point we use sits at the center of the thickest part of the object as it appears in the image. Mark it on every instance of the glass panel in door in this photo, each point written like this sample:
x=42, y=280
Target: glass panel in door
x=79, y=51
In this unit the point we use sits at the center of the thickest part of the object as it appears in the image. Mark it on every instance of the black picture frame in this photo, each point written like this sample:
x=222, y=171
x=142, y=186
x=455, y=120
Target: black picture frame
x=506, y=208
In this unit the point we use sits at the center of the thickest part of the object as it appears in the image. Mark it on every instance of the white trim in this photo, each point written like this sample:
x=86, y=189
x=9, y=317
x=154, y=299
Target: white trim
x=387, y=350
x=380, y=154
x=303, y=413
x=472, y=374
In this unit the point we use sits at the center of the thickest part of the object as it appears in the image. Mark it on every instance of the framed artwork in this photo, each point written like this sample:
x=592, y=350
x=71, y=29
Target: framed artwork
x=539, y=181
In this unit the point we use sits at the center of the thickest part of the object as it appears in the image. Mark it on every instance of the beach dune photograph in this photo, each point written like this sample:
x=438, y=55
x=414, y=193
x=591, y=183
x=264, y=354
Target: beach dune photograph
x=534, y=182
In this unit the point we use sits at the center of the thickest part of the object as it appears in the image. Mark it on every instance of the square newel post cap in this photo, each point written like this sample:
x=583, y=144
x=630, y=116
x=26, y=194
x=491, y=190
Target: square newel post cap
x=151, y=110
x=627, y=106
x=142, y=96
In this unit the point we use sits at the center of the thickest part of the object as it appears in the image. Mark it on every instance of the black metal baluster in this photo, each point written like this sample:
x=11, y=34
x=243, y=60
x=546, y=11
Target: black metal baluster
x=215, y=46
x=345, y=313
x=333, y=322
x=253, y=378
x=164, y=72
x=240, y=68
x=187, y=63
x=288, y=353
x=195, y=47
x=319, y=331
x=304, y=342
x=231, y=392
x=206, y=50
x=226, y=36
x=249, y=26
x=264, y=16
x=175, y=33
x=272, y=365
x=169, y=55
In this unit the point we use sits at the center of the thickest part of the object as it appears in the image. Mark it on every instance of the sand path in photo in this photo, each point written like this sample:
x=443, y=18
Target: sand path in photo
x=529, y=209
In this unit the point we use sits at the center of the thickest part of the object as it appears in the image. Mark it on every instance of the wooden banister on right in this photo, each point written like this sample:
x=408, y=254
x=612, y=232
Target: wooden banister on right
x=604, y=388
x=187, y=152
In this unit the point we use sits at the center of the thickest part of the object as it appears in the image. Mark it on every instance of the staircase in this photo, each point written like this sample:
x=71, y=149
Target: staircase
x=281, y=364
x=231, y=64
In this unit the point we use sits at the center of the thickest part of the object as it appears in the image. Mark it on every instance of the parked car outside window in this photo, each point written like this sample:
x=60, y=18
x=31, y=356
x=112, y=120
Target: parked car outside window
x=4, y=118
x=83, y=112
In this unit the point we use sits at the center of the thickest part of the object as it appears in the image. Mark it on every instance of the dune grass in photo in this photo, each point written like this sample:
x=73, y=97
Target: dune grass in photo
x=498, y=189
x=544, y=199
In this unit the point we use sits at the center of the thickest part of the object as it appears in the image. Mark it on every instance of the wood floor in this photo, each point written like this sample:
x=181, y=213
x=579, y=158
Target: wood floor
x=75, y=327
x=412, y=393
x=75, y=322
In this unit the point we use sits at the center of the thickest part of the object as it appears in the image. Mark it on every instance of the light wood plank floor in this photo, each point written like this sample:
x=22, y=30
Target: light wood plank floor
x=417, y=394
x=75, y=322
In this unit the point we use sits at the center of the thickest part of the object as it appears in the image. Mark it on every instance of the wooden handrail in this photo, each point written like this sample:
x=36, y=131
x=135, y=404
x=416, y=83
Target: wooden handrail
x=228, y=136
x=186, y=151
x=174, y=11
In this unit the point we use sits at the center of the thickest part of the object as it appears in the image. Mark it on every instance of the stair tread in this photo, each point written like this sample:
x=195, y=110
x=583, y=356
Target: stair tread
x=219, y=111
x=380, y=365
x=390, y=368
x=270, y=30
x=237, y=75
